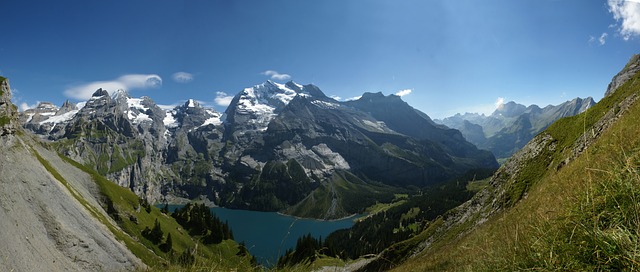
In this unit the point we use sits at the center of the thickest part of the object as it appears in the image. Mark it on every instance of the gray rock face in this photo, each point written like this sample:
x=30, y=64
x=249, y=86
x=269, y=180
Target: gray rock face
x=511, y=126
x=632, y=67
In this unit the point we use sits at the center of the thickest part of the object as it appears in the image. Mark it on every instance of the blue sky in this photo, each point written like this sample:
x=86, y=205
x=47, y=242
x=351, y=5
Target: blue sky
x=445, y=56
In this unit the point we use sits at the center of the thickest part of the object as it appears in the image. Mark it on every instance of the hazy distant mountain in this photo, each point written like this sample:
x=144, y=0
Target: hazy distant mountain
x=277, y=147
x=512, y=125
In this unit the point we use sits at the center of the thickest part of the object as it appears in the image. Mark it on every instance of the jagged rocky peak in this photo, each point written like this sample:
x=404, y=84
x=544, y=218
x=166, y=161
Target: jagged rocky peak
x=8, y=111
x=192, y=104
x=372, y=96
x=510, y=109
x=67, y=106
x=100, y=92
x=632, y=67
x=192, y=114
x=43, y=109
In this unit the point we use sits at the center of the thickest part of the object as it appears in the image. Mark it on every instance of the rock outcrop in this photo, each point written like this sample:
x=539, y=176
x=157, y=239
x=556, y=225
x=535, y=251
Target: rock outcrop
x=8, y=111
x=632, y=67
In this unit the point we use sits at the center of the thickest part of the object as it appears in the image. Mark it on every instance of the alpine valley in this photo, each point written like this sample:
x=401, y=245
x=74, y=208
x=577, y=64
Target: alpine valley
x=511, y=126
x=277, y=147
x=429, y=199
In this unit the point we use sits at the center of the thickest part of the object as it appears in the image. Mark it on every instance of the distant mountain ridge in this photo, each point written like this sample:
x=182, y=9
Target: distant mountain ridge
x=512, y=125
x=276, y=146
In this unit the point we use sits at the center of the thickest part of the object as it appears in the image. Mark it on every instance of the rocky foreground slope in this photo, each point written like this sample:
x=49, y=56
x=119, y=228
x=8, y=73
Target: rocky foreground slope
x=44, y=228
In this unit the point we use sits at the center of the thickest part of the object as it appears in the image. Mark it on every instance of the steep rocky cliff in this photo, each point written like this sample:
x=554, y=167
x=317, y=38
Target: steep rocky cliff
x=8, y=111
x=45, y=228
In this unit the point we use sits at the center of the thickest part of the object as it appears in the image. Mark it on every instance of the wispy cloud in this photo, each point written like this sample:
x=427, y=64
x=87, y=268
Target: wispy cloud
x=603, y=38
x=126, y=82
x=182, y=77
x=275, y=75
x=223, y=99
x=600, y=40
x=24, y=106
x=627, y=14
x=168, y=107
x=404, y=92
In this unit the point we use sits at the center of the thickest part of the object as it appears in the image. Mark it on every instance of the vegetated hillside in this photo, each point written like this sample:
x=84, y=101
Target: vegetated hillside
x=567, y=201
x=279, y=147
x=58, y=215
x=512, y=125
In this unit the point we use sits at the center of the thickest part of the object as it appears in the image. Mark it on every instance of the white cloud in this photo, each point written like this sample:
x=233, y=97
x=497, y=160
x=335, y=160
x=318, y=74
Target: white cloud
x=404, y=92
x=336, y=97
x=126, y=82
x=499, y=103
x=24, y=106
x=223, y=99
x=182, y=77
x=592, y=39
x=627, y=13
x=602, y=40
x=275, y=75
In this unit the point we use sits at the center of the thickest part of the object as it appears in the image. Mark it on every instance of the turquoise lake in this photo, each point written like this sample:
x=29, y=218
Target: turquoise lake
x=269, y=234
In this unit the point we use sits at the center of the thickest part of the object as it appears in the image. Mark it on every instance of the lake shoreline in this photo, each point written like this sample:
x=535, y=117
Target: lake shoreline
x=317, y=219
x=213, y=205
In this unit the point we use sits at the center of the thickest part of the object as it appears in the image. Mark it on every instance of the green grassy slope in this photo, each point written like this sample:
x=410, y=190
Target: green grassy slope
x=559, y=211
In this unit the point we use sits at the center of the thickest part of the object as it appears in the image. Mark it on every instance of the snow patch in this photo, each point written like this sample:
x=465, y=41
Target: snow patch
x=60, y=118
x=379, y=125
x=136, y=103
x=170, y=120
x=325, y=105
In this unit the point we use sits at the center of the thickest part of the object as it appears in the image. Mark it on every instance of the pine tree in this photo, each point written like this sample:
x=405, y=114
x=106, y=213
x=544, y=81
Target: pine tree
x=156, y=233
x=165, y=209
x=168, y=244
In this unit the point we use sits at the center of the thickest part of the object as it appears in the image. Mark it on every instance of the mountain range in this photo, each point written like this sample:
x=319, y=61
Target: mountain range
x=512, y=125
x=277, y=147
x=566, y=201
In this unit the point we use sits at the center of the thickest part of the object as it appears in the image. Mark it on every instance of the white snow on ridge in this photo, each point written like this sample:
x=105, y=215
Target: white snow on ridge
x=136, y=103
x=215, y=118
x=142, y=118
x=262, y=100
x=60, y=118
x=30, y=117
x=169, y=120
x=136, y=112
x=325, y=105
